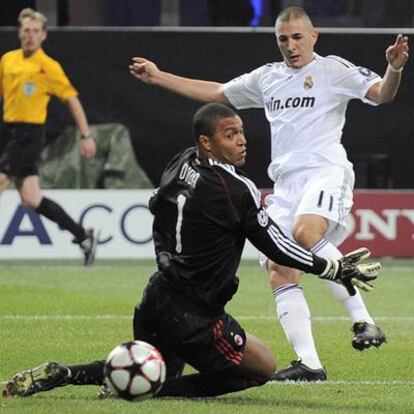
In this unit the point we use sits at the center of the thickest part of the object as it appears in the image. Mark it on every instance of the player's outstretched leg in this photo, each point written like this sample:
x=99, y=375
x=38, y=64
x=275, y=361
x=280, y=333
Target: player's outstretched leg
x=367, y=335
x=298, y=372
x=45, y=377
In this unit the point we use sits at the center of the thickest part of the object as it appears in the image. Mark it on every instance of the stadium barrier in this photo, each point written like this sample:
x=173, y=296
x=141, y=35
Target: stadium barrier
x=122, y=216
x=381, y=220
x=159, y=122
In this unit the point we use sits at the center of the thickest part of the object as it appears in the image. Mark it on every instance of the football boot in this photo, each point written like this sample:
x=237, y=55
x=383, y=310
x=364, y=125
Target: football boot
x=45, y=377
x=298, y=372
x=367, y=335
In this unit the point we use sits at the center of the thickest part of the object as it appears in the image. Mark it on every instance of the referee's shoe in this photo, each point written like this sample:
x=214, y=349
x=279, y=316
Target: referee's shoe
x=89, y=245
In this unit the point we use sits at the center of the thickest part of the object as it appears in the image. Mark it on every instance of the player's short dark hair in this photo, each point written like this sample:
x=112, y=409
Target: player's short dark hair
x=206, y=117
x=291, y=13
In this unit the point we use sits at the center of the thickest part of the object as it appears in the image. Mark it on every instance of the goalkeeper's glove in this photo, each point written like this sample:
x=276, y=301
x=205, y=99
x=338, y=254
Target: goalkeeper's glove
x=350, y=272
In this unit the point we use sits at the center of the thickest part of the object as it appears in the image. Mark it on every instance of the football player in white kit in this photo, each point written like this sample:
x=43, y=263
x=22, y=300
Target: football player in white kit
x=305, y=99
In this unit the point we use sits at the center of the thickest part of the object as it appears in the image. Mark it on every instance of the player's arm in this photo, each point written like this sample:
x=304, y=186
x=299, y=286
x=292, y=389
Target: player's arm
x=397, y=56
x=199, y=90
x=87, y=142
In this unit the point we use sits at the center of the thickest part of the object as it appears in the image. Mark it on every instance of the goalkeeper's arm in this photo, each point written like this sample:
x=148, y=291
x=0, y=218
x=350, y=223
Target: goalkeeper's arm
x=267, y=237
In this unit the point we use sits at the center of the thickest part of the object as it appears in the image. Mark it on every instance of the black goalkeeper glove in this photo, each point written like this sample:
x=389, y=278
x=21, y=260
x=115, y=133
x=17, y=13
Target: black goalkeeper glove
x=350, y=272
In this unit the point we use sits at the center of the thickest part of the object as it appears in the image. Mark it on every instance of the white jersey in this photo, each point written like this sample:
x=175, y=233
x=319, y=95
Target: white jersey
x=305, y=108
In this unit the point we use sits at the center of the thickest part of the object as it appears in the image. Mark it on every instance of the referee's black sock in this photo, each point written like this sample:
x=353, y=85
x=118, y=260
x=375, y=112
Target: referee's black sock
x=54, y=212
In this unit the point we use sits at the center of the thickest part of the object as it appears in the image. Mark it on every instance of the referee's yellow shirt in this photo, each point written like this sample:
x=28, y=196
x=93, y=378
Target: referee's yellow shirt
x=26, y=85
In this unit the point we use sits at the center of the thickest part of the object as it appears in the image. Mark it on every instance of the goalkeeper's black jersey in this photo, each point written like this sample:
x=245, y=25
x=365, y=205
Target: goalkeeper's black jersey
x=203, y=215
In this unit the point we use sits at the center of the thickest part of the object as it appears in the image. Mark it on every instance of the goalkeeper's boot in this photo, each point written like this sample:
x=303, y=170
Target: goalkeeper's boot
x=298, y=372
x=367, y=335
x=45, y=377
x=89, y=246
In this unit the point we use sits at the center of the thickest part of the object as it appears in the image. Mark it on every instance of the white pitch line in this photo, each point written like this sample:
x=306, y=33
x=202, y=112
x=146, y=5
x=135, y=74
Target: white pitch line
x=64, y=317
x=71, y=268
x=242, y=318
x=137, y=265
x=332, y=318
x=343, y=382
x=327, y=383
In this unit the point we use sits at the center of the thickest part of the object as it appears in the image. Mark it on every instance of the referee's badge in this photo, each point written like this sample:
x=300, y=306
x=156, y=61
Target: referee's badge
x=29, y=88
x=262, y=217
x=308, y=84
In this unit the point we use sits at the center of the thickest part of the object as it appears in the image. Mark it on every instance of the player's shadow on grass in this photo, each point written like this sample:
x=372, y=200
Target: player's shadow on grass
x=276, y=402
x=273, y=402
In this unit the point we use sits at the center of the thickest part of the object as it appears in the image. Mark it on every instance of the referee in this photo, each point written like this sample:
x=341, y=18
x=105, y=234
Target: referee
x=28, y=77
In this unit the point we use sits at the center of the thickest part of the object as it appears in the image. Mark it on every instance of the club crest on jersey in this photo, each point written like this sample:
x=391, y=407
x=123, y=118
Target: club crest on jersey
x=29, y=88
x=262, y=218
x=308, y=84
x=238, y=340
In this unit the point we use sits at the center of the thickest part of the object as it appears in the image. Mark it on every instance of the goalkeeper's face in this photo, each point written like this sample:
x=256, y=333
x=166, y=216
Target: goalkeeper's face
x=228, y=143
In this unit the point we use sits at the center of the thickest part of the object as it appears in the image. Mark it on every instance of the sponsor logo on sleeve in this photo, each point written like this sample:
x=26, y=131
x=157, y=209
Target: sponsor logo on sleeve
x=369, y=74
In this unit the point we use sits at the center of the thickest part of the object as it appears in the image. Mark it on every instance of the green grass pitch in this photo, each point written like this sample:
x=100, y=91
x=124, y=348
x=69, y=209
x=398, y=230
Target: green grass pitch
x=51, y=310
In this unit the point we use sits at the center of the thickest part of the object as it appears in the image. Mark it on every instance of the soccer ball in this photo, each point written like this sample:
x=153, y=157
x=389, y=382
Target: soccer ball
x=134, y=370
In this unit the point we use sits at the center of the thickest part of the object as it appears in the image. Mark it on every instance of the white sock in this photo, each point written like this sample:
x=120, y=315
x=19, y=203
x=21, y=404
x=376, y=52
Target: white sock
x=294, y=316
x=353, y=304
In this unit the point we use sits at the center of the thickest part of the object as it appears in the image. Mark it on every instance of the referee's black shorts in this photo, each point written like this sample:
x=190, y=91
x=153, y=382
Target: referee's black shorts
x=20, y=148
x=207, y=343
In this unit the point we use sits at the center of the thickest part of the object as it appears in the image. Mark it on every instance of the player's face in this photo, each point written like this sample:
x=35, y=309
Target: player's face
x=228, y=143
x=296, y=40
x=31, y=35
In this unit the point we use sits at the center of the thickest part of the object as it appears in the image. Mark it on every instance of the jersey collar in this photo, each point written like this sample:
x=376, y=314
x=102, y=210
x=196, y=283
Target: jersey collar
x=39, y=53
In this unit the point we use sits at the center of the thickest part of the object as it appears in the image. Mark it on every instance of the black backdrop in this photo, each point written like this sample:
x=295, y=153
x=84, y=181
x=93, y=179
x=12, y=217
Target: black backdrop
x=160, y=122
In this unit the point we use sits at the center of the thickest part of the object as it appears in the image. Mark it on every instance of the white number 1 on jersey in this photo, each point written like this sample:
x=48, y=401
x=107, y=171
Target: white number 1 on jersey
x=181, y=199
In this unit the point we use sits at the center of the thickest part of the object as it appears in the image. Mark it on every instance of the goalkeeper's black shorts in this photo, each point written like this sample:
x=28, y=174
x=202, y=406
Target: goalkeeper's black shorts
x=181, y=333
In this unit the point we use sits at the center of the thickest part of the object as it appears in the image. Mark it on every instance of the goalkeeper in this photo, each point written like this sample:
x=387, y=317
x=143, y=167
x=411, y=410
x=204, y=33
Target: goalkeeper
x=204, y=210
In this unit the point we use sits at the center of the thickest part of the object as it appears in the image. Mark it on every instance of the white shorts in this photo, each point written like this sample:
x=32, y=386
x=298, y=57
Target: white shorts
x=325, y=191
